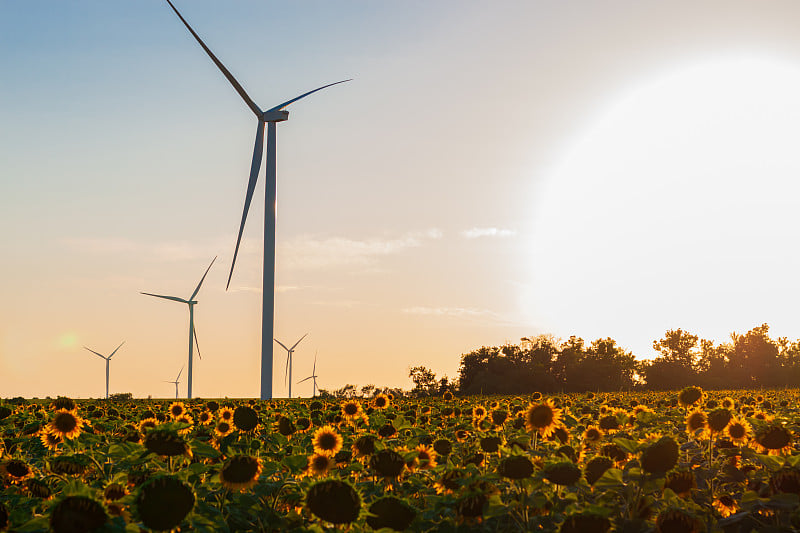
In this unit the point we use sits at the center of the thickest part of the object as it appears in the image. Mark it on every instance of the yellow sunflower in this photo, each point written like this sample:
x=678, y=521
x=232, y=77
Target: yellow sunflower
x=147, y=424
x=206, y=418
x=326, y=441
x=725, y=505
x=351, y=410
x=319, y=465
x=49, y=440
x=426, y=457
x=66, y=424
x=739, y=431
x=381, y=401
x=176, y=409
x=542, y=417
x=226, y=413
x=223, y=428
x=593, y=435
x=240, y=472
x=695, y=422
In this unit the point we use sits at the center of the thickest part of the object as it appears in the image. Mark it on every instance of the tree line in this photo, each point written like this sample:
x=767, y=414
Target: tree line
x=546, y=364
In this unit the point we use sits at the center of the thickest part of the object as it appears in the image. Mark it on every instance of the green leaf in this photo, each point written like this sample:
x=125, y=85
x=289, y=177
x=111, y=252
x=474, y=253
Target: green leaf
x=611, y=479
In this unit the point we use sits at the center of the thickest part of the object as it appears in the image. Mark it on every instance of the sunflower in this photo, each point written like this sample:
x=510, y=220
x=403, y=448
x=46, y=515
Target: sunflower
x=449, y=482
x=773, y=439
x=66, y=424
x=696, y=422
x=363, y=446
x=206, y=418
x=542, y=417
x=786, y=480
x=387, y=463
x=15, y=470
x=592, y=435
x=77, y=513
x=326, y=441
x=176, y=409
x=147, y=424
x=334, y=501
x=718, y=420
x=381, y=401
x=351, y=410
x=681, y=483
x=226, y=413
x=738, y=431
x=761, y=415
x=50, y=440
x=661, y=456
x=163, y=502
x=240, y=472
x=728, y=402
x=185, y=419
x=690, y=396
x=392, y=513
x=223, y=428
x=426, y=457
x=725, y=505
x=319, y=464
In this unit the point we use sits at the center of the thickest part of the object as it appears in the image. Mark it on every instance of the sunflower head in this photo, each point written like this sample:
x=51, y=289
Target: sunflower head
x=515, y=467
x=786, y=480
x=690, y=396
x=50, y=440
x=176, y=409
x=240, y=472
x=774, y=439
x=696, y=423
x=351, y=409
x=725, y=505
x=585, y=522
x=661, y=456
x=37, y=488
x=326, y=441
x=738, y=431
x=205, y=418
x=363, y=446
x=66, y=424
x=543, y=417
x=678, y=521
x=718, y=420
x=592, y=434
x=387, y=463
x=77, y=513
x=596, y=467
x=334, y=501
x=223, y=428
x=166, y=443
x=381, y=401
x=319, y=464
x=391, y=512
x=426, y=457
x=15, y=470
x=163, y=502
x=681, y=483
x=564, y=473
x=245, y=418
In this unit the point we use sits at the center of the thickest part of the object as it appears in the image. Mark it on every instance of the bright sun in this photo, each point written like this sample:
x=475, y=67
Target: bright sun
x=677, y=206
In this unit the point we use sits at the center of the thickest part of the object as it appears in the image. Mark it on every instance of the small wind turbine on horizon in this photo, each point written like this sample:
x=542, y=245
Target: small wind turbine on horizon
x=108, y=361
x=312, y=376
x=270, y=117
x=191, y=302
x=179, y=377
x=289, y=352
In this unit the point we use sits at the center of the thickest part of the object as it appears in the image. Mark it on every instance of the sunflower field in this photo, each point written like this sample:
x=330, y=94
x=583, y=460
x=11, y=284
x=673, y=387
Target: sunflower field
x=687, y=461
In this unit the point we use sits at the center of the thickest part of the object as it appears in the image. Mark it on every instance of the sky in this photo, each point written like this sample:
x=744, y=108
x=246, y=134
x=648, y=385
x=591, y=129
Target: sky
x=493, y=171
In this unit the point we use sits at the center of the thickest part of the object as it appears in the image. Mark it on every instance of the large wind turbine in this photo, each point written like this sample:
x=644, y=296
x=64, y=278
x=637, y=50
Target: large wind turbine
x=179, y=377
x=270, y=117
x=289, y=352
x=192, y=333
x=108, y=361
x=312, y=376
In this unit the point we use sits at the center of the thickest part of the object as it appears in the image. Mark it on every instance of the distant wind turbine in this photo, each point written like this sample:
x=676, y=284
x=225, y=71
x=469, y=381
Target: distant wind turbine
x=179, y=377
x=289, y=352
x=192, y=333
x=108, y=361
x=269, y=117
x=312, y=376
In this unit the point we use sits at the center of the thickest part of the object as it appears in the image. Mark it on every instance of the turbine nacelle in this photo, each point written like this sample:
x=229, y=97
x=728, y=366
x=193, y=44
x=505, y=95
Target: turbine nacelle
x=275, y=115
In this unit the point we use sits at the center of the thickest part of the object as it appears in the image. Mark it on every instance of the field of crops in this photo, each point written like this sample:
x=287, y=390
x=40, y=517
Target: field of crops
x=666, y=462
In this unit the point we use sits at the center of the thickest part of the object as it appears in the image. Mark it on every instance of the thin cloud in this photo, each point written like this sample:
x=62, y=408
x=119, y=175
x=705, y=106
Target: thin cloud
x=453, y=312
x=159, y=251
x=309, y=252
x=475, y=233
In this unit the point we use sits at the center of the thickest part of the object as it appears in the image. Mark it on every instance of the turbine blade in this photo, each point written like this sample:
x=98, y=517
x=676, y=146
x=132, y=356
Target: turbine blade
x=179, y=375
x=97, y=354
x=174, y=298
x=258, y=150
x=286, y=377
x=293, y=100
x=279, y=342
x=197, y=289
x=302, y=380
x=115, y=351
x=298, y=342
x=239, y=89
x=314, y=370
x=196, y=343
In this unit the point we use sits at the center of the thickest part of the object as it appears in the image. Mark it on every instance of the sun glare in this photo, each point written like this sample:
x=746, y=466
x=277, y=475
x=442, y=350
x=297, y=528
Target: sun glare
x=676, y=206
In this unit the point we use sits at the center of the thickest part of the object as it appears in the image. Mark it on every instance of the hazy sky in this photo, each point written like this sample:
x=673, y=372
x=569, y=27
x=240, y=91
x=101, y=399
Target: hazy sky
x=495, y=170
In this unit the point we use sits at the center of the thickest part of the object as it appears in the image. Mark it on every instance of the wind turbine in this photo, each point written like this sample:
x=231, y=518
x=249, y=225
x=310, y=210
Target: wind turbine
x=270, y=117
x=108, y=361
x=312, y=376
x=289, y=352
x=192, y=333
x=179, y=377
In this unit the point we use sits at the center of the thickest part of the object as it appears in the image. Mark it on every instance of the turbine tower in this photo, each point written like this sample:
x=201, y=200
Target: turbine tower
x=108, y=361
x=178, y=378
x=270, y=118
x=312, y=376
x=289, y=352
x=192, y=333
